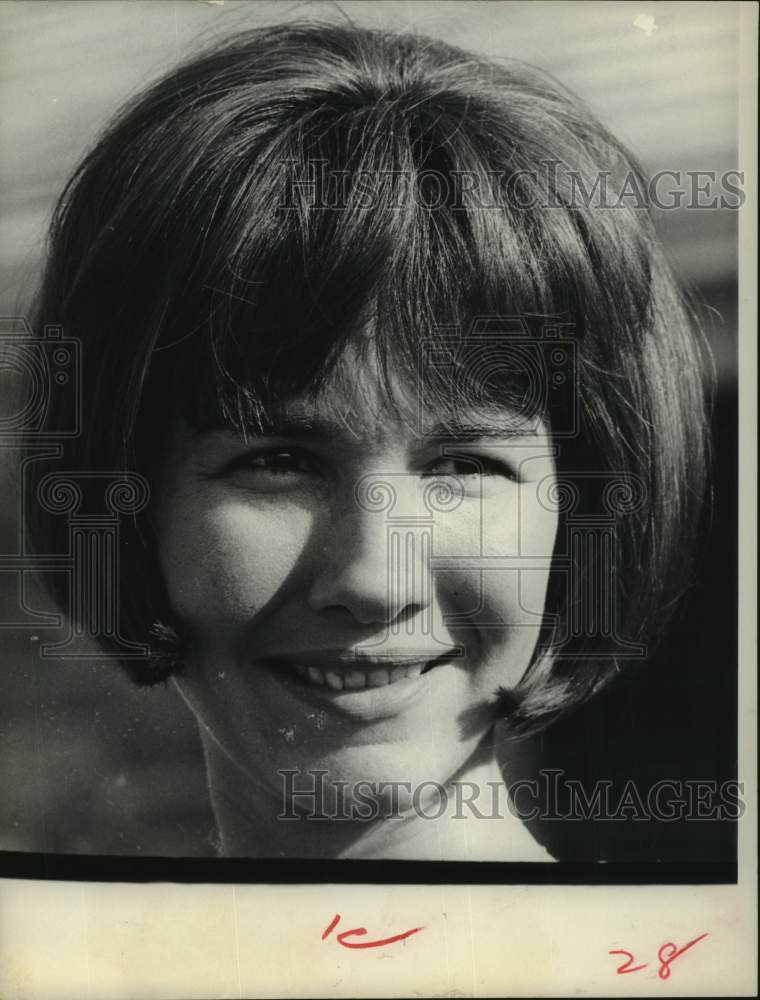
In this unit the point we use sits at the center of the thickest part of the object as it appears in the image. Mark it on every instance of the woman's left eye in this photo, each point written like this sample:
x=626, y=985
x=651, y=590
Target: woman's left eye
x=461, y=466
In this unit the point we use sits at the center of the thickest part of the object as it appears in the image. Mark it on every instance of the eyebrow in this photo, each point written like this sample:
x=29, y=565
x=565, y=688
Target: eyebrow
x=280, y=425
x=504, y=427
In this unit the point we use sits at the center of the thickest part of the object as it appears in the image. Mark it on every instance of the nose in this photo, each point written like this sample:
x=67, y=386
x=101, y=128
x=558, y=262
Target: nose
x=373, y=567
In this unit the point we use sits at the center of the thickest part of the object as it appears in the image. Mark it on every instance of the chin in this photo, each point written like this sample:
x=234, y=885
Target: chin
x=366, y=779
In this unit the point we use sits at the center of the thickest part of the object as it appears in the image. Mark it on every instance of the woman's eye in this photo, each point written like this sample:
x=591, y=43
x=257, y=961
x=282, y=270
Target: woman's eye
x=280, y=463
x=461, y=467
x=277, y=466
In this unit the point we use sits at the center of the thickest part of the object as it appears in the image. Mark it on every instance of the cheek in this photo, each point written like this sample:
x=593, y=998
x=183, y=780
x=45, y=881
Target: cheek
x=226, y=561
x=513, y=543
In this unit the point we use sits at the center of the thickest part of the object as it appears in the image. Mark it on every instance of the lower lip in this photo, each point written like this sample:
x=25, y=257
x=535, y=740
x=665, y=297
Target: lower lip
x=366, y=704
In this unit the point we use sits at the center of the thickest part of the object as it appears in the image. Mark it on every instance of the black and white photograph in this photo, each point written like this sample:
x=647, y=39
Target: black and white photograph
x=370, y=446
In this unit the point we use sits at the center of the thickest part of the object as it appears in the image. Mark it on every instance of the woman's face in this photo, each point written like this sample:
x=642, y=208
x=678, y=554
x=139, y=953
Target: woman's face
x=355, y=586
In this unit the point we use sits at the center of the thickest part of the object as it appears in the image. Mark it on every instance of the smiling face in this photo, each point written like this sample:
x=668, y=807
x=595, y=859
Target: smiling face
x=344, y=583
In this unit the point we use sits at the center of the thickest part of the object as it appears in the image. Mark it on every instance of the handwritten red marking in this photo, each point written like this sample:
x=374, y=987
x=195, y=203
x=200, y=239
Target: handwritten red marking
x=373, y=944
x=625, y=967
x=360, y=932
x=331, y=926
x=667, y=954
x=664, y=971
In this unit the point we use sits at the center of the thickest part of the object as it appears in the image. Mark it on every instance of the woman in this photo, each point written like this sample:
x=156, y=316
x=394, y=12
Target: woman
x=386, y=330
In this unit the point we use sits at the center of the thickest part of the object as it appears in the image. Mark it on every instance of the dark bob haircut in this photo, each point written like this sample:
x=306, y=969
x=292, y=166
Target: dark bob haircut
x=237, y=223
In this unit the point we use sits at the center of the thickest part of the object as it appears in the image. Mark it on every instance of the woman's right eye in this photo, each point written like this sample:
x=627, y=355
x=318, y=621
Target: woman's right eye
x=275, y=467
x=280, y=462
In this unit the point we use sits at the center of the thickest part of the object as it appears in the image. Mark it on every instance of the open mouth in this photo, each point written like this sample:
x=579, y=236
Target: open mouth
x=353, y=677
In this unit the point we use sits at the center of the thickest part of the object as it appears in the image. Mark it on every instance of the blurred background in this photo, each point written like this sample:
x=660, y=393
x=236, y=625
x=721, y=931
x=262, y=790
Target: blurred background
x=90, y=765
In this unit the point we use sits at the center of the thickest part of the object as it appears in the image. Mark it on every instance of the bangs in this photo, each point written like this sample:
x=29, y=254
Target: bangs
x=383, y=219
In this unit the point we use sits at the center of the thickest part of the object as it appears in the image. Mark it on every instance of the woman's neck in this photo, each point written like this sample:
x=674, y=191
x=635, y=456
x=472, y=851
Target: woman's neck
x=470, y=821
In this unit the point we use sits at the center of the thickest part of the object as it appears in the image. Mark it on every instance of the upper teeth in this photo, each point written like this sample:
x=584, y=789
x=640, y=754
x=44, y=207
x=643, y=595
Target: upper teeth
x=354, y=680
